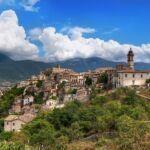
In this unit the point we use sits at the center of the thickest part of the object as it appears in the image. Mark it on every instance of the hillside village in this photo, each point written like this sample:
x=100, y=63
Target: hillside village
x=56, y=86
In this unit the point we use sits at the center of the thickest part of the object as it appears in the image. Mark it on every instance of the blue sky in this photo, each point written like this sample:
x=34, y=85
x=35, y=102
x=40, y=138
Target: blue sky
x=130, y=17
x=123, y=21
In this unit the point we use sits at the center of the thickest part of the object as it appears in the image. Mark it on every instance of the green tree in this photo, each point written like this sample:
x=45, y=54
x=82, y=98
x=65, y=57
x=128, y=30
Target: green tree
x=41, y=133
x=148, y=81
x=73, y=91
x=48, y=72
x=74, y=132
x=39, y=84
x=5, y=136
x=88, y=81
x=61, y=91
x=61, y=143
x=38, y=99
x=138, y=113
x=63, y=117
x=62, y=85
x=7, y=100
x=99, y=100
x=105, y=143
x=1, y=125
x=131, y=98
x=103, y=78
x=131, y=132
x=114, y=107
x=11, y=146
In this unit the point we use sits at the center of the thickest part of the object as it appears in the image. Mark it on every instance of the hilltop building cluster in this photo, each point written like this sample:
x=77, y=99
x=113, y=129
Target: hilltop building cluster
x=56, y=86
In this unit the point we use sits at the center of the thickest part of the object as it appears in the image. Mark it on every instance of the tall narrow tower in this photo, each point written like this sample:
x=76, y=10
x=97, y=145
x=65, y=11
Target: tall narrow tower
x=130, y=59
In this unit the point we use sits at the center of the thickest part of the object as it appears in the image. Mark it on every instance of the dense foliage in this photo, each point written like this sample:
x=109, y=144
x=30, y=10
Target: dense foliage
x=7, y=100
x=39, y=84
x=118, y=121
x=38, y=99
x=121, y=122
x=103, y=78
x=88, y=81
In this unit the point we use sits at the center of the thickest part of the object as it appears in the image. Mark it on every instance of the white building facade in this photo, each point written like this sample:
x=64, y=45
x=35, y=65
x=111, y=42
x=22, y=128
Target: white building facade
x=128, y=76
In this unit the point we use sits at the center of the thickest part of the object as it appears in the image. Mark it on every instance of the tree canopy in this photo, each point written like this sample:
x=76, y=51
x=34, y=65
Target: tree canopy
x=119, y=121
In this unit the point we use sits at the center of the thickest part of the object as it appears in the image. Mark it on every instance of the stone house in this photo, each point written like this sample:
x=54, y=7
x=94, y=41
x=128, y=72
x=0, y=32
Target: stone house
x=49, y=104
x=93, y=75
x=82, y=95
x=80, y=79
x=20, y=102
x=41, y=77
x=30, y=109
x=17, y=105
x=27, y=100
x=15, y=123
x=104, y=70
x=58, y=69
x=34, y=78
x=68, y=97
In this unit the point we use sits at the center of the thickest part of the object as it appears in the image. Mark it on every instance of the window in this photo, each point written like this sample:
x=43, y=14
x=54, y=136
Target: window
x=126, y=75
x=7, y=123
x=141, y=75
x=13, y=124
x=133, y=75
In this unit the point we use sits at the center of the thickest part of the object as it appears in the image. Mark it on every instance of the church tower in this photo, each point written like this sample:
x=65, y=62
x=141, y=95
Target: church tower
x=130, y=59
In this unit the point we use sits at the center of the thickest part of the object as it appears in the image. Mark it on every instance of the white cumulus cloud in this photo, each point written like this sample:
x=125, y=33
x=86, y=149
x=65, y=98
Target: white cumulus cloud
x=60, y=46
x=29, y=5
x=13, y=40
x=77, y=32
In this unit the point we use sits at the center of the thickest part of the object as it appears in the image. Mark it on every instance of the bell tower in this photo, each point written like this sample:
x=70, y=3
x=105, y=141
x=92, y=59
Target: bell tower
x=130, y=59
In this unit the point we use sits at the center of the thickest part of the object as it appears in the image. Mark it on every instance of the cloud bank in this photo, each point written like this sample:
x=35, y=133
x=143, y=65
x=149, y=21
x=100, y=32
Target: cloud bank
x=60, y=45
x=13, y=40
x=28, y=5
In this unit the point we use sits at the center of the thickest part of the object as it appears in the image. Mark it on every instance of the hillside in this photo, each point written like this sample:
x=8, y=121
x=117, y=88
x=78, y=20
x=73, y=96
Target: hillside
x=11, y=70
x=118, y=121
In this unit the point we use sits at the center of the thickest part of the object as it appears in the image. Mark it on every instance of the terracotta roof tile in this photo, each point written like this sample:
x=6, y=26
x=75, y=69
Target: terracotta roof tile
x=11, y=117
x=27, y=117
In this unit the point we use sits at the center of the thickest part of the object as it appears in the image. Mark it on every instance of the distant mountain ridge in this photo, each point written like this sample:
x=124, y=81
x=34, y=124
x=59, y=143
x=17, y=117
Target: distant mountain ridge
x=11, y=70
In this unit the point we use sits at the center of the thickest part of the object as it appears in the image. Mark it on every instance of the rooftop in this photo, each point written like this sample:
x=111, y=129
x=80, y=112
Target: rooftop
x=25, y=118
x=134, y=71
x=11, y=117
x=104, y=69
